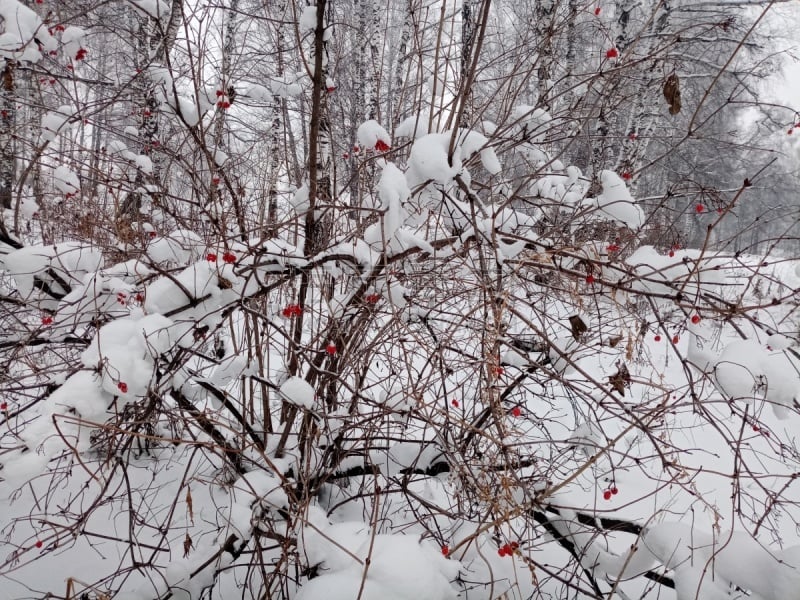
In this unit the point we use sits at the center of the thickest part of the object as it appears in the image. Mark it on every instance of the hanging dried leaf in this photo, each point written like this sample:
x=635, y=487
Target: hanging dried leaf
x=672, y=94
x=187, y=545
x=189, y=507
x=577, y=326
x=614, y=341
x=621, y=379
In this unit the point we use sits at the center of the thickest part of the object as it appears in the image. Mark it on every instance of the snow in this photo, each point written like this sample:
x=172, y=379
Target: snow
x=22, y=29
x=297, y=391
x=56, y=122
x=308, y=19
x=371, y=133
x=616, y=202
x=66, y=180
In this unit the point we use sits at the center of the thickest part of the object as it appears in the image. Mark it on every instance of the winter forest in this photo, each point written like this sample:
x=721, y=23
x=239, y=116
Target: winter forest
x=399, y=300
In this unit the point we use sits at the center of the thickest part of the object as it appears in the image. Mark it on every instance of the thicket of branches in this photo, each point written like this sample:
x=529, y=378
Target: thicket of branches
x=396, y=299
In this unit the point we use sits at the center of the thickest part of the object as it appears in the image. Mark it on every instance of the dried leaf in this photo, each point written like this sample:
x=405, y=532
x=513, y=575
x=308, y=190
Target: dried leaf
x=621, y=379
x=577, y=326
x=187, y=545
x=614, y=341
x=189, y=506
x=672, y=94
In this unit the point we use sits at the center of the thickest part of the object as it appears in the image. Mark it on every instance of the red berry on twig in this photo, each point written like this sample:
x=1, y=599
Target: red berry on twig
x=612, y=53
x=123, y=387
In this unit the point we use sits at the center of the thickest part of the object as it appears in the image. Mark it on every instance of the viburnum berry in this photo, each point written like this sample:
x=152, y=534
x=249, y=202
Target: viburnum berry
x=139, y=297
x=514, y=545
x=790, y=132
x=330, y=349
x=498, y=371
x=330, y=89
x=39, y=543
x=220, y=93
x=60, y=27
x=356, y=149
x=590, y=279
x=626, y=175
x=345, y=155
x=695, y=319
x=123, y=387
x=215, y=180
x=445, y=550
x=657, y=338
x=4, y=406
x=80, y=54
x=756, y=428
x=454, y=402
x=632, y=137
x=612, y=53
x=671, y=253
x=381, y=146
x=699, y=208
x=372, y=298
x=211, y=257
x=516, y=411
x=607, y=495
x=229, y=258
x=47, y=320
x=675, y=339
x=501, y=551
x=152, y=234
x=613, y=248
x=292, y=310
x=614, y=490
x=597, y=11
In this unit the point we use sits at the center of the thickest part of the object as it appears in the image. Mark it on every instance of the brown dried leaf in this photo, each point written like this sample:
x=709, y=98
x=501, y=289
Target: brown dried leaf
x=614, y=341
x=577, y=326
x=621, y=379
x=187, y=545
x=672, y=94
x=189, y=506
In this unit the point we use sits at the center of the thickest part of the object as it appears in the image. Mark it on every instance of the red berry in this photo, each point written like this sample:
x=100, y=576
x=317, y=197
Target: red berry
x=80, y=54
x=607, y=495
x=4, y=406
x=445, y=550
x=597, y=11
x=671, y=253
x=330, y=89
x=454, y=402
x=356, y=149
x=657, y=338
x=330, y=349
x=372, y=298
x=39, y=543
x=626, y=175
x=501, y=551
x=612, y=53
x=675, y=339
x=614, y=490
x=139, y=297
x=345, y=155
x=698, y=208
x=590, y=279
x=48, y=320
x=516, y=411
x=381, y=146
x=756, y=428
x=211, y=257
x=152, y=234
x=613, y=248
x=292, y=310
x=632, y=137
x=225, y=105
x=215, y=180
x=498, y=371
x=123, y=387
x=695, y=319
x=229, y=258
x=514, y=545
x=220, y=93
x=790, y=131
